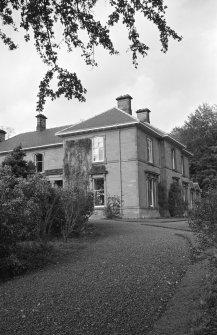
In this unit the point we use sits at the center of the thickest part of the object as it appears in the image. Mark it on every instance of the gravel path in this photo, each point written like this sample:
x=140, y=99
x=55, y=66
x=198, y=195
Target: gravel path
x=118, y=283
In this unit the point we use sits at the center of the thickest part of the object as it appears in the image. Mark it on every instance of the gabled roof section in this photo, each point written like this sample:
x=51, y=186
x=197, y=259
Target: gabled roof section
x=32, y=139
x=111, y=118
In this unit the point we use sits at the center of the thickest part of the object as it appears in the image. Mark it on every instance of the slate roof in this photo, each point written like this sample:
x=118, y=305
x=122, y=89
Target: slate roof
x=112, y=117
x=32, y=139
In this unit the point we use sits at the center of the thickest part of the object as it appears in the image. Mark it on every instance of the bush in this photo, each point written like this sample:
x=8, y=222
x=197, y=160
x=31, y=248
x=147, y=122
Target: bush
x=113, y=207
x=77, y=206
x=203, y=218
x=176, y=204
x=162, y=199
x=28, y=206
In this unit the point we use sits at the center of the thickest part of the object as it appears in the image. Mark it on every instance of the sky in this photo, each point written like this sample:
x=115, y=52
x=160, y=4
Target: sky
x=171, y=85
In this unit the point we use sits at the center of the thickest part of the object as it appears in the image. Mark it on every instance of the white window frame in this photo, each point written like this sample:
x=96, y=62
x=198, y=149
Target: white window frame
x=96, y=147
x=94, y=191
x=173, y=156
x=149, y=150
x=151, y=186
x=36, y=162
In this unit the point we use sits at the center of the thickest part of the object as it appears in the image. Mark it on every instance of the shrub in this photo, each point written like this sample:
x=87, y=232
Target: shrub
x=203, y=218
x=162, y=199
x=176, y=204
x=77, y=205
x=28, y=206
x=113, y=207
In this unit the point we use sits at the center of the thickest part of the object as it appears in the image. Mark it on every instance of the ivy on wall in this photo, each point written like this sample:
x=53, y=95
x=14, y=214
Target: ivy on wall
x=77, y=162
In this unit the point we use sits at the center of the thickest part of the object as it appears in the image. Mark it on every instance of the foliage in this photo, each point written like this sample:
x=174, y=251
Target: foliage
x=19, y=166
x=203, y=218
x=199, y=134
x=27, y=206
x=77, y=205
x=176, y=204
x=162, y=199
x=113, y=207
x=53, y=23
x=77, y=162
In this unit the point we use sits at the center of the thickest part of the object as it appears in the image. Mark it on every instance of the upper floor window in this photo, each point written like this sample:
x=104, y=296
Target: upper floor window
x=150, y=150
x=39, y=162
x=183, y=166
x=173, y=156
x=98, y=149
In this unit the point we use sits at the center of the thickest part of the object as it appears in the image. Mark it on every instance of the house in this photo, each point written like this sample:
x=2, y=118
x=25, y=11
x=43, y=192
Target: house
x=41, y=146
x=114, y=153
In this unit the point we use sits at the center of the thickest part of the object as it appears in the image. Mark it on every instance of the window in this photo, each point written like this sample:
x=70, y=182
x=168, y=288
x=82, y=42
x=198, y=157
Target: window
x=185, y=192
x=183, y=166
x=173, y=159
x=151, y=183
x=99, y=191
x=58, y=183
x=39, y=162
x=149, y=150
x=98, y=149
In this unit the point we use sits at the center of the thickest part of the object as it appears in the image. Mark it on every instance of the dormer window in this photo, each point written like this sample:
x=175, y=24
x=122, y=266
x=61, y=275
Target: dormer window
x=149, y=150
x=39, y=162
x=98, y=149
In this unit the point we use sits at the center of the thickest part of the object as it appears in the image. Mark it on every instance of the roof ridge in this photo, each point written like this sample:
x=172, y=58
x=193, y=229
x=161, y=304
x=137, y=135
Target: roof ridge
x=35, y=131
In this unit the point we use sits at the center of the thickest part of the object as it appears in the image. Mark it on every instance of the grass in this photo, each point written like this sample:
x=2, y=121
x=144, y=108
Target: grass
x=206, y=321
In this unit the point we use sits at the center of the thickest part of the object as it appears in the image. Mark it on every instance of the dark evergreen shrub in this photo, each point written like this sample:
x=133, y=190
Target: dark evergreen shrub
x=176, y=204
x=203, y=218
x=162, y=199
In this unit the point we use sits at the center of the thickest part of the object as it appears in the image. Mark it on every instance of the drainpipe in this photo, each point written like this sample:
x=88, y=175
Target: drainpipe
x=121, y=191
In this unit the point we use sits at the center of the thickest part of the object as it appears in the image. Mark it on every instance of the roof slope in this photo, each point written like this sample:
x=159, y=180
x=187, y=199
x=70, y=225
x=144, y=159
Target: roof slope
x=111, y=117
x=32, y=139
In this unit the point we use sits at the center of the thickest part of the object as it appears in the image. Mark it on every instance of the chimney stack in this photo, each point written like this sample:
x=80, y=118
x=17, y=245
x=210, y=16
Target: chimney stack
x=124, y=103
x=143, y=115
x=41, y=122
x=2, y=135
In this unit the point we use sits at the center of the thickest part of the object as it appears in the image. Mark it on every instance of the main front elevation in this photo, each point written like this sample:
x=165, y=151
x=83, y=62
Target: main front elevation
x=122, y=156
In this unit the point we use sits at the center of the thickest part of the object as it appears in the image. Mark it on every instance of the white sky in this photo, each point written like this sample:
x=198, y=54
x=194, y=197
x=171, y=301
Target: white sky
x=171, y=85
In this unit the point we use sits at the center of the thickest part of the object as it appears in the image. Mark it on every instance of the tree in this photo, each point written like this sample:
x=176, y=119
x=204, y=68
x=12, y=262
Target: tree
x=19, y=166
x=53, y=23
x=199, y=134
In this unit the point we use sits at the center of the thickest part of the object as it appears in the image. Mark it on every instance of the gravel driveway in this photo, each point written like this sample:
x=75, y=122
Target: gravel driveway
x=117, y=283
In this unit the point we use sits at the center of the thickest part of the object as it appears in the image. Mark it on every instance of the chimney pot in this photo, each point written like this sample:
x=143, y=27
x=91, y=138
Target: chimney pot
x=41, y=122
x=2, y=135
x=143, y=115
x=124, y=103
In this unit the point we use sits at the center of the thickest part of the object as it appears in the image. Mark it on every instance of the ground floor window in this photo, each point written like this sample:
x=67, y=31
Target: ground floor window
x=185, y=192
x=151, y=186
x=58, y=183
x=99, y=191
